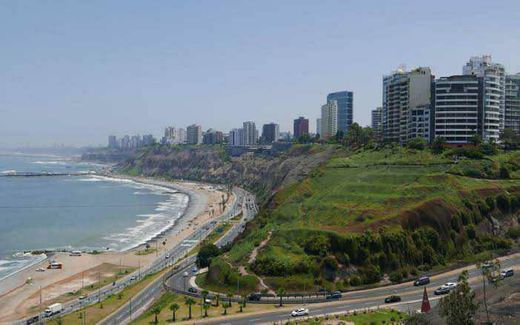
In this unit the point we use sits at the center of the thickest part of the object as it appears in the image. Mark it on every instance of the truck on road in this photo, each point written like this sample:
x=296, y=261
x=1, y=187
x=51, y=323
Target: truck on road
x=53, y=309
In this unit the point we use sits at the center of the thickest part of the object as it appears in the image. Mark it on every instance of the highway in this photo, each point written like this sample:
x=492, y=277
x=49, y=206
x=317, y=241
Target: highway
x=166, y=259
x=373, y=298
x=137, y=305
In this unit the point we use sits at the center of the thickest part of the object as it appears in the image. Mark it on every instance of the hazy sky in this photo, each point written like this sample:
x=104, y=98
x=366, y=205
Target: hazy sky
x=75, y=71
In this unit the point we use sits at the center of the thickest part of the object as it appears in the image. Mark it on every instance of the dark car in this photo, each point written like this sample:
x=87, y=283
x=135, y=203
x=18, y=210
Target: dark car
x=32, y=320
x=192, y=290
x=334, y=295
x=254, y=297
x=392, y=299
x=422, y=281
x=441, y=291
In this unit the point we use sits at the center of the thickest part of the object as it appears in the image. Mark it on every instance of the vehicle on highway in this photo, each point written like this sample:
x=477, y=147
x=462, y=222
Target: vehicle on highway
x=133, y=277
x=254, y=296
x=334, y=295
x=82, y=297
x=167, y=256
x=421, y=281
x=53, y=309
x=40, y=269
x=192, y=290
x=194, y=270
x=300, y=312
x=507, y=273
x=392, y=299
x=185, y=274
x=32, y=320
x=445, y=288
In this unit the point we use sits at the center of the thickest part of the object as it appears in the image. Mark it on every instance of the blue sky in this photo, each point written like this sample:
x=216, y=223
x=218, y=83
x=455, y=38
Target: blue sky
x=73, y=72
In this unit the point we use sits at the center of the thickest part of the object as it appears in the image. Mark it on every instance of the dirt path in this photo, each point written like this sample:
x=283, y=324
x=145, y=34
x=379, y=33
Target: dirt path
x=254, y=253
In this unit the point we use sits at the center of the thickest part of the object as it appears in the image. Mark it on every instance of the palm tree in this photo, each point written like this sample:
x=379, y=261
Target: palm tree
x=225, y=306
x=217, y=300
x=206, y=307
x=244, y=300
x=280, y=292
x=174, y=308
x=204, y=294
x=189, y=302
x=229, y=295
x=156, y=311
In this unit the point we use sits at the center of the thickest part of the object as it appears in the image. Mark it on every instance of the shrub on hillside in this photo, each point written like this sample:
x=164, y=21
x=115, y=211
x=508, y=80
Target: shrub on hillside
x=513, y=232
x=417, y=144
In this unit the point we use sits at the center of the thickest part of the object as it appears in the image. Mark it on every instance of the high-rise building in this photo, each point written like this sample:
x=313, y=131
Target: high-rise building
x=345, y=103
x=318, y=126
x=194, y=134
x=236, y=136
x=377, y=122
x=300, y=127
x=458, y=108
x=181, y=136
x=512, y=111
x=148, y=140
x=493, y=102
x=270, y=133
x=112, y=141
x=329, y=119
x=250, y=133
x=402, y=92
x=212, y=137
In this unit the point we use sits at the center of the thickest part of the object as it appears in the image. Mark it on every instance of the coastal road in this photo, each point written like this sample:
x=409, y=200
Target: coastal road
x=138, y=304
x=374, y=298
x=166, y=259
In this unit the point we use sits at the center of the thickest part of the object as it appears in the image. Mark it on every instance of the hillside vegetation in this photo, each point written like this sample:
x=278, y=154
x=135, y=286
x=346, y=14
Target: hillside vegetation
x=392, y=210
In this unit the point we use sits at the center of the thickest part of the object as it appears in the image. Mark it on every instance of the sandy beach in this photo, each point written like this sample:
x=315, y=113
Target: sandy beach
x=19, y=297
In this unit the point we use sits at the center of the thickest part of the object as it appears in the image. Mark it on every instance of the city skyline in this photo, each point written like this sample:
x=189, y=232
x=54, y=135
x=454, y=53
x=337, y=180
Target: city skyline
x=74, y=80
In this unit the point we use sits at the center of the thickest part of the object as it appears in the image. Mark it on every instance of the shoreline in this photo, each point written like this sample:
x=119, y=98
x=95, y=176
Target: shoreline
x=165, y=231
x=203, y=205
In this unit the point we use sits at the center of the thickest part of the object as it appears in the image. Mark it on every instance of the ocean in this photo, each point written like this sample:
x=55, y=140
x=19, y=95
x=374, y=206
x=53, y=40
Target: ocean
x=76, y=212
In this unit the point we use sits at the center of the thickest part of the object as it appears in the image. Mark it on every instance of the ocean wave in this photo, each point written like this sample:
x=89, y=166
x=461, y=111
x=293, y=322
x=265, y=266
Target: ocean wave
x=50, y=162
x=148, y=226
x=17, y=263
x=8, y=171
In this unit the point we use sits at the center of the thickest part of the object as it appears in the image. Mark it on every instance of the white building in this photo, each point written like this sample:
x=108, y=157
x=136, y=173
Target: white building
x=250, y=133
x=236, y=138
x=402, y=92
x=493, y=101
x=458, y=108
x=329, y=120
x=318, y=126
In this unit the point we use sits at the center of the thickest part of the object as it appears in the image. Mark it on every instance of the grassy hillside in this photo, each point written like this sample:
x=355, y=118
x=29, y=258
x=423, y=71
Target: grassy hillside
x=390, y=211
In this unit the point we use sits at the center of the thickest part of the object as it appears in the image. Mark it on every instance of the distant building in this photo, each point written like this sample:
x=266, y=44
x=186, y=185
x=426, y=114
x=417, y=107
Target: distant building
x=112, y=141
x=148, y=140
x=493, y=107
x=318, y=126
x=512, y=111
x=236, y=137
x=286, y=136
x=270, y=133
x=181, y=136
x=300, y=127
x=402, y=92
x=345, y=105
x=194, y=134
x=250, y=133
x=329, y=120
x=212, y=137
x=377, y=122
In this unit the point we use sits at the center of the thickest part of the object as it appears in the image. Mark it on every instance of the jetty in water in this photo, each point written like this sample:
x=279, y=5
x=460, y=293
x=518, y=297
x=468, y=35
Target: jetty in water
x=43, y=174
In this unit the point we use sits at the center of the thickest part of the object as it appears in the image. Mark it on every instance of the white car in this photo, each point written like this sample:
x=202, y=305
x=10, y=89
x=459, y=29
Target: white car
x=40, y=269
x=300, y=312
x=449, y=285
